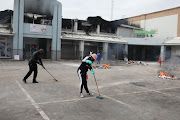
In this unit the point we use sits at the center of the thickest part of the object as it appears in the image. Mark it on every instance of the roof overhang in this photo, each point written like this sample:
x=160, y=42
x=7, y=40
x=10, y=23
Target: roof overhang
x=174, y=41
x=7, y=34
x=93, y=38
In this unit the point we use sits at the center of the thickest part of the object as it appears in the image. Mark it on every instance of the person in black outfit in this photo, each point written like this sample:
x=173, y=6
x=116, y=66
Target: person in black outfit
x=35, y=59
x=82, y=72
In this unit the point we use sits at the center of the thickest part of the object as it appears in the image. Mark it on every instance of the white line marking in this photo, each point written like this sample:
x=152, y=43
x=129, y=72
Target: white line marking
x=41, y=112
x=65, y=101
x=2, y=63
x=118, y=101
x=148, y=90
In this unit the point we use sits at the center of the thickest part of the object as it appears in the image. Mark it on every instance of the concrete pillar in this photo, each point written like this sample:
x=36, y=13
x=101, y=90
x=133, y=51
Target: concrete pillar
x=163, y=52
x=118, y=31
x=54, y=38
x=143, y=53
x=81, y=49
x=16, y=27
x=98, y=30
x=59, y=24
x=105, y=51
x=75, y=25
x=126, y=49
x=21, y=31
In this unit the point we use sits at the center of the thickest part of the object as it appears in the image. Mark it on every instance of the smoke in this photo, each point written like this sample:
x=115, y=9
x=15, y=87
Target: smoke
x=42, y=7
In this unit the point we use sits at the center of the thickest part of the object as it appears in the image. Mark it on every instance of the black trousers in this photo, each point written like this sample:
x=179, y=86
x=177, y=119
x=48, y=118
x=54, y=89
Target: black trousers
x=32, y=68
x=83, y=81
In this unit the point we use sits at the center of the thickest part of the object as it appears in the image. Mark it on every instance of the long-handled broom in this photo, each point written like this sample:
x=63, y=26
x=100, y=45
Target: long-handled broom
x=98, y=96
x=51, y=75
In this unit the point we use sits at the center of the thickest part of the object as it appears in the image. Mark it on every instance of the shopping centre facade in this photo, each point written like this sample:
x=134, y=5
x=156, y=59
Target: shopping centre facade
x=143, y=37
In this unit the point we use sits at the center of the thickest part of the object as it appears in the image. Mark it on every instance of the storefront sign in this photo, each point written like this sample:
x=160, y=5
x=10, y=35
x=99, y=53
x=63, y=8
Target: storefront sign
x=146, y=32
x=37, y=28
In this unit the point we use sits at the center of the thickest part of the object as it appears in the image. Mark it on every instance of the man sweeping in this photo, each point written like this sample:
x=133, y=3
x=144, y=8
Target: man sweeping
x=35, y=59
x=82, y=72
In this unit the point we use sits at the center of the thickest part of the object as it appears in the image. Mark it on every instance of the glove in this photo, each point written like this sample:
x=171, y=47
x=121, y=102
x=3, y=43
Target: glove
x=88, y=61
x=92, y=70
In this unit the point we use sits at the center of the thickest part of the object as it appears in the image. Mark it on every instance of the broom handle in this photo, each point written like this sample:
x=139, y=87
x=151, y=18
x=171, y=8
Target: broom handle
x=96, y=85
x=49, y=73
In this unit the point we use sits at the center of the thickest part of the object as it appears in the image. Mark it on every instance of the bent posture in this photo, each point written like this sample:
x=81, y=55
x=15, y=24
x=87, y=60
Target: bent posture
x=82, y=72
x=35, y=59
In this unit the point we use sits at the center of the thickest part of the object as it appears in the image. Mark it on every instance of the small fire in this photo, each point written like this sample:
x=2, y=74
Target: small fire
x=166, y=76
x=102, y=66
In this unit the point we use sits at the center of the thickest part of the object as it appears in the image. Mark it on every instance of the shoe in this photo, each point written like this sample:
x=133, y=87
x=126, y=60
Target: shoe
x=90, y=94
x=34, y=81
x=24, y=81
x=81, y=95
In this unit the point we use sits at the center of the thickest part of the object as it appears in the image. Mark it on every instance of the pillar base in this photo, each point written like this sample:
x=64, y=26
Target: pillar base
x=81, y=55
x=53, y=55
x=18, y=52
x=58, y=55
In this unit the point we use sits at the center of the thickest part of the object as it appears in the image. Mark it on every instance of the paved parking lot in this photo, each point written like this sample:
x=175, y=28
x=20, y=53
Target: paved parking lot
x=131, y=92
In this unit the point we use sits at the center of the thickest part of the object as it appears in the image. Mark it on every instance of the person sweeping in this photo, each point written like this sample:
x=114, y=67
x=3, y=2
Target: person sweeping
x=82, y=72
x=35, y=59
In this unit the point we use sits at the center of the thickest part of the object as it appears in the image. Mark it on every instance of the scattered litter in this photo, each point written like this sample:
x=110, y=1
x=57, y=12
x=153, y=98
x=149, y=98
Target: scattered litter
x=137, y=62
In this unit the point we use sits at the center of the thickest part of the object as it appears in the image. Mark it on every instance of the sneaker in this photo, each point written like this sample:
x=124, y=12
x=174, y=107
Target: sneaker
x=34, y=81
x=90, y=94
x=81, y=95
x=24, y=81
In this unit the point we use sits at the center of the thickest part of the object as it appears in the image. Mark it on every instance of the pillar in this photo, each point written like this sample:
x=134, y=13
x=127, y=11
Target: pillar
x=75, y=25
x=105, y=51
x=143, y=53
x=16, y=27
x=59, y=24
x=118, y=31
x=21, y=31
x=126, y=49
x=81, y=49
x=98, y=30
x=163, y=52
x=54, y=37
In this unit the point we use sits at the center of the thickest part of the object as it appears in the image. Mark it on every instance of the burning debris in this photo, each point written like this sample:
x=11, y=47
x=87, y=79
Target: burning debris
x=166, y=76
x=104, y=66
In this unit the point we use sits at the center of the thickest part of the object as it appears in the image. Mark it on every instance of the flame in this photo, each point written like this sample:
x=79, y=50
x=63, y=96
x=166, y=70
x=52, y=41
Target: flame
x=164, y=75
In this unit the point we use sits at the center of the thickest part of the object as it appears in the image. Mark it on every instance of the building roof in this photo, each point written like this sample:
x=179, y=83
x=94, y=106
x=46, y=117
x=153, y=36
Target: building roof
x=174, y=41
x=95, y=38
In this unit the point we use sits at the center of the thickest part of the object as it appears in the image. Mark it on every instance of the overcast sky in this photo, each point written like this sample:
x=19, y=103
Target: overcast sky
x=81, y=9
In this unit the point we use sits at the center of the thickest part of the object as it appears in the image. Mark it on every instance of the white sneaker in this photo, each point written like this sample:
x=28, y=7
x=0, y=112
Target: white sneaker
x=81, y=95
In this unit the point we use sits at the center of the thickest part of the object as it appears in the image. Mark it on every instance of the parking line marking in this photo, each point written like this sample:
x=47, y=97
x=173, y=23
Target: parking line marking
x=118, y=101
x=41, y=112
x=148, y=90
x=65, y=101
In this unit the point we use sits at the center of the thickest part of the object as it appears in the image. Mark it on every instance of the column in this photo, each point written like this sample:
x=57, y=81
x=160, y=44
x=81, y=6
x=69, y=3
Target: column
x=75, y=25
x=98, y=30
x=143, y=53
x=54, y=38
x=21, y=31
x=59, y=22
x=118, y=31
x=81, y=49
x=163, y=52
x=126, y=49
x=16, y=27
x=105, y=51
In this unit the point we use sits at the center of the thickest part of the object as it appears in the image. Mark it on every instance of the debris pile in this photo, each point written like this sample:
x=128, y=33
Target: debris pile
x=166, y=76
x=104, y=66
x=137, y=62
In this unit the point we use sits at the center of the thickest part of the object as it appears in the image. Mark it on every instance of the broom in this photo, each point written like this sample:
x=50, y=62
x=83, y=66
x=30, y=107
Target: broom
x=98, y=96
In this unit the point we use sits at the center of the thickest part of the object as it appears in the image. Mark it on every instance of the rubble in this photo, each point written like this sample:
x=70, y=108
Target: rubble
x=137, y=62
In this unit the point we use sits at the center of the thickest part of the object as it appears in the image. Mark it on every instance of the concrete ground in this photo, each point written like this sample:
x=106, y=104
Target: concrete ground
x=131, y=92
